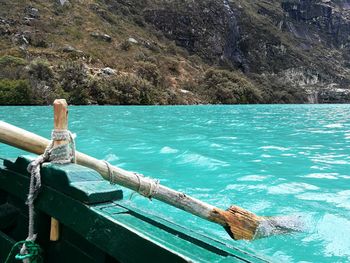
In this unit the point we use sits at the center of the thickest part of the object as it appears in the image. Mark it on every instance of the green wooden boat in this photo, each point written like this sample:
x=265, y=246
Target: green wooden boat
x=96, y=223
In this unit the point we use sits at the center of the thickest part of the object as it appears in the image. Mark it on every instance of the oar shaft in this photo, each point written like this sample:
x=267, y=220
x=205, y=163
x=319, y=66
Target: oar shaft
x=163, y=193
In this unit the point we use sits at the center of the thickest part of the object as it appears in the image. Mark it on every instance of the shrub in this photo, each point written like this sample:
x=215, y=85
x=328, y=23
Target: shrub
x=72, y=74
x=172, y=48
x=74, y=80
x=79, y=96
x=40, y=70
x=37, y=40
x=42, y=80
x=222, y=86
x=125, y=45
x=145, y=57
x=277, y=90
x=11, y=67
x=98, y=91
x=172, y=65
x=148, y=71
x=15, y=92
x=139, y=20
x=12, y=61
x=124, y=90
x=131, y=89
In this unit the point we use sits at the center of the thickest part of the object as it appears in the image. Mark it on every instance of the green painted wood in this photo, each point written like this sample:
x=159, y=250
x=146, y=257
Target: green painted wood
x=114, y=231
x=8, y=215
x=96, y=229
x=72, y=247
x=79, y=182
x=172, y=236
x=206, y=242
x=2, y=197
x=6, y=244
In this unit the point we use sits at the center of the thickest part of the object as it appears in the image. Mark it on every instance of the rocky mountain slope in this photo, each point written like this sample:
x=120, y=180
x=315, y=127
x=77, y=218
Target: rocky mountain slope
x=175, y=52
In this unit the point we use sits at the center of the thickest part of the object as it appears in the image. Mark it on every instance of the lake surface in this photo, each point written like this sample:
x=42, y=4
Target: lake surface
x=270, y=159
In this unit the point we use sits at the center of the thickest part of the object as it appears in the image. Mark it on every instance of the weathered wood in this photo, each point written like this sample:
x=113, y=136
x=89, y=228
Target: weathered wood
x=54, y=230
x=22, y=139
x=60, y=109
x=238, y=222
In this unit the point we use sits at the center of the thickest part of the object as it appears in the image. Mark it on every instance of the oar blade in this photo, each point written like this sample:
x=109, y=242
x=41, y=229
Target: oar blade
x=242, y=224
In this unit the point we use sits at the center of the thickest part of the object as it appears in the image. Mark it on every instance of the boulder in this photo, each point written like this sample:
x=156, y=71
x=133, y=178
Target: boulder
x=32, y=12
x=70, y=49
x=63, y=2
x=101, y=36
x=108, y=71
x=28, y=20
x=6, y=26
x=132, y=40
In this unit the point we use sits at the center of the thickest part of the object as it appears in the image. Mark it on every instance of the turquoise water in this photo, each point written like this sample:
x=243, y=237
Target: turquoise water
x=272, y=160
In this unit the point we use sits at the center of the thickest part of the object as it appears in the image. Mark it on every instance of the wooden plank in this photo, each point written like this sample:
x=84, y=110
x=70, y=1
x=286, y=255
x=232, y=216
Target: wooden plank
x=79, y=182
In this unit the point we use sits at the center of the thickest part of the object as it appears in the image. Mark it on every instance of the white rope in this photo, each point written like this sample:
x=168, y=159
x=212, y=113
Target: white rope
x=146, y=186
x=111, y=178
x=64, y=153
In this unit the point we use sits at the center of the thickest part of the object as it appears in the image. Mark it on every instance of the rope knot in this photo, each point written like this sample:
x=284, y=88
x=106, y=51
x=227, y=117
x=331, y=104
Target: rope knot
x=30, y=252
x=63, y=153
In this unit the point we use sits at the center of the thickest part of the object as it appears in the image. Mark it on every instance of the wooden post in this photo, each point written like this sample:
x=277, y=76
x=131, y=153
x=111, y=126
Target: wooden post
x=60, y=109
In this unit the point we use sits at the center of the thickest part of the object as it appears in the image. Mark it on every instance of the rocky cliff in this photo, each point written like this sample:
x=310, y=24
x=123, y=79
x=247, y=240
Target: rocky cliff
x=176, y=52
x=304, y=43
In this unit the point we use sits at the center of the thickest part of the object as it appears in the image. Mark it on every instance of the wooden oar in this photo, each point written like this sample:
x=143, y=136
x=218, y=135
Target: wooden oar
x=238, y=222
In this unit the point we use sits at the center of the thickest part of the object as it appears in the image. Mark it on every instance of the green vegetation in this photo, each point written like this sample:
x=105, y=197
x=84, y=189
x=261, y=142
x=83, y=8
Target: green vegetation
x=8, y=60
x=150, y=72
x=126, y=90
x=276, y=89
x=40, y=70
x=12, y=67
x=222, y=86
x=15, y=92
x=74, y=81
